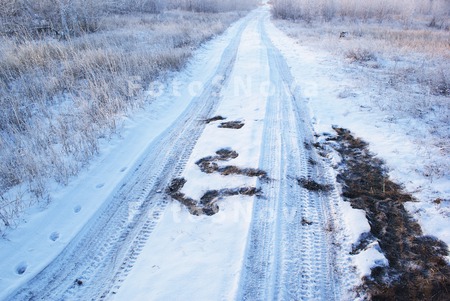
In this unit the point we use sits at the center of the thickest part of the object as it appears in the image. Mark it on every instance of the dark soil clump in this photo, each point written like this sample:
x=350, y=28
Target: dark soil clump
x=417, y=267
x=215, y=118
x=232, y=125
x=226, y=154
x=208, y=202
x=312, y=185
x=212, y=196
x=209, y=165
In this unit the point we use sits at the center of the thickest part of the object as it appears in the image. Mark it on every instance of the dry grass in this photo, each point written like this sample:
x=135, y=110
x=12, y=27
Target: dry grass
x=417, y=267
x=59, y=97
x=401, y=67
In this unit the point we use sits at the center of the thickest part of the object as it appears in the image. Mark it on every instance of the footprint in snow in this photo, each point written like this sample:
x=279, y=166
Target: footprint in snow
x=123, y=169
x=54, y=236
x=100, y=185
x=21, y=268
x=77, y=209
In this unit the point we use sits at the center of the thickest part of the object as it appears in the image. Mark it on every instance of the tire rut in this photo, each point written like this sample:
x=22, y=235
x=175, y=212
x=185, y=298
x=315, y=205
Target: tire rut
x=287, y=258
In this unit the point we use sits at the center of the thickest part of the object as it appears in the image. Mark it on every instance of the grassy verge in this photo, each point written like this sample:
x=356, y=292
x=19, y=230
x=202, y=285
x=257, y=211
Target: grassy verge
x=417, y=267
x=59, y=96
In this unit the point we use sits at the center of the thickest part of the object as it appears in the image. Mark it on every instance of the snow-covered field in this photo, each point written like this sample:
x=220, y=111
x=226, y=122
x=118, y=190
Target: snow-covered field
x=114, y=234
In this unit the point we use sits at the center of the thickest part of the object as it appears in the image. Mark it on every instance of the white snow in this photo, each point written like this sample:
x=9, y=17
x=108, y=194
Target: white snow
x=191, y=258
x=200, y=258
x=44, y=232
x=355, y=221
x=369, y=258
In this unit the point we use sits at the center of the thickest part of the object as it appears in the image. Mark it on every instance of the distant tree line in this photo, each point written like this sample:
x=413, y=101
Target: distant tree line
x=73, y=17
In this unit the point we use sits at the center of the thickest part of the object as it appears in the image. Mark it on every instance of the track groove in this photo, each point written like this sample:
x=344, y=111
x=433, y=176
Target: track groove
x=287, y=258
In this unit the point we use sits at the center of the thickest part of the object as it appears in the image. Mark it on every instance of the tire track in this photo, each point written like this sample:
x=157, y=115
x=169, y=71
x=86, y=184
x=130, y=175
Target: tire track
x=288, y=256
x=102, y=254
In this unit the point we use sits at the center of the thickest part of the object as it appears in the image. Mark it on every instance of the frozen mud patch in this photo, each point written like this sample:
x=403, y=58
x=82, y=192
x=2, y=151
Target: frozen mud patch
x=232, y=125
x=312, y=185
x=210, y=165
x=208, y=202
x=215, y=118
x=207, y=205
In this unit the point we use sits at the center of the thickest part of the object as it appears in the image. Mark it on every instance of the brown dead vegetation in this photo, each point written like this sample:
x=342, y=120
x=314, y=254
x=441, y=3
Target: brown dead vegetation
x=417, y=267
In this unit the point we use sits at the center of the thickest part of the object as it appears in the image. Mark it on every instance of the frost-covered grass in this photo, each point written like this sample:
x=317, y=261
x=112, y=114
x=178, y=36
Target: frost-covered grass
x=59, y=97
x=405, y=70
x=434, y=12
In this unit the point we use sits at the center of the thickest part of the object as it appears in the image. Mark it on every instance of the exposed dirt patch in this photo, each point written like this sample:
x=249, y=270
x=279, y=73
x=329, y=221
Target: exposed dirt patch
x=176, y=185
x=212, y=196
x=417, y=268
x=209, y=165
x=249, y=172
x=215, y=118
x=312, y=185
x=232, y=125
x=208, y=202
x=193, y=206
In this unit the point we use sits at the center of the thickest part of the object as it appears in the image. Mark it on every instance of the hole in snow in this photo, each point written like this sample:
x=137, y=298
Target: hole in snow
x=77, y=209
x=54, y=236
x=21, y=268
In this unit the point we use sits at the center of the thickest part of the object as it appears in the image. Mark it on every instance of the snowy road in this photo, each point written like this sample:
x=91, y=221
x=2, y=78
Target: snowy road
x=274, y=246
x=288, y=256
